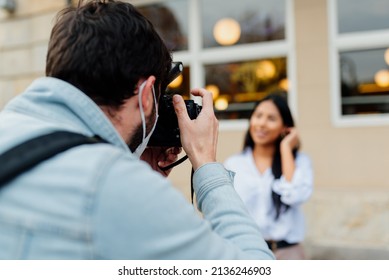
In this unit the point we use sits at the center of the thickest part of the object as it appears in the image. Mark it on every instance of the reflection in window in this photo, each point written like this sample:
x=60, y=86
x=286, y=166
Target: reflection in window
x=181, y=85
x=365, y=81
x=170, y=20
x=237, y=86
x=362, y=15
x=242, y=22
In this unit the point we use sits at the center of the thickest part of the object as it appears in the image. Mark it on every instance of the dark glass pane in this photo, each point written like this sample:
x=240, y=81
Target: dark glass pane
x=170, y=20
x=237, y=86
x=230, y=22
x=364, y=82
x=362, y=15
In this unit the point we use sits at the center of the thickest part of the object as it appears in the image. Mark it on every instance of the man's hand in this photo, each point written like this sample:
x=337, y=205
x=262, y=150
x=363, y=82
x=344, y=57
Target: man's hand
x=198, y=136
x=159, y=157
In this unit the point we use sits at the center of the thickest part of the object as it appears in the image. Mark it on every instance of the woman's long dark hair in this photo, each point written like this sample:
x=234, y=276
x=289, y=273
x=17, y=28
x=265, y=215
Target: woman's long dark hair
x=287, y=119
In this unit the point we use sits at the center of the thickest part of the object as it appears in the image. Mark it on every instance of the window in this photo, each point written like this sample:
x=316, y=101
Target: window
x=238, y=85
x=170, y=20
x=360, y=61
x=240, y=53
x=241, y=22
x=359, y=15
x=364, y=78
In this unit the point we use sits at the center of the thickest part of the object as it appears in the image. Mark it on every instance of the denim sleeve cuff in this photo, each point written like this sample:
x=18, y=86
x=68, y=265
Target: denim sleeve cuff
x=209, y=176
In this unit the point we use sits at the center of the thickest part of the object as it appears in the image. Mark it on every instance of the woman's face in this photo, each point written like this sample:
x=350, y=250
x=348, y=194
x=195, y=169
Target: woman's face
x=266, y=124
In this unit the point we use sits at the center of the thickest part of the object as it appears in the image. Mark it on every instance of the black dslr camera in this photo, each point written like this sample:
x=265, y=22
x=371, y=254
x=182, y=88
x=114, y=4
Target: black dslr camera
x=167, y=132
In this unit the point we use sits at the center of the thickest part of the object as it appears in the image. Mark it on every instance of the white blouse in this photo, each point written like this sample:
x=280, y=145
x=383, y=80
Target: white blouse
x=255, y=190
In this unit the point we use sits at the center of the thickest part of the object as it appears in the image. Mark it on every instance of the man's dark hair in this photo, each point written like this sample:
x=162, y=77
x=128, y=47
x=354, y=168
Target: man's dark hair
x=103, y=47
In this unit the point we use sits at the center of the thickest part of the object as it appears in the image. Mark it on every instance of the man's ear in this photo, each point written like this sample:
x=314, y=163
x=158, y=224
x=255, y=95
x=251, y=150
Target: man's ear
x=148, y=96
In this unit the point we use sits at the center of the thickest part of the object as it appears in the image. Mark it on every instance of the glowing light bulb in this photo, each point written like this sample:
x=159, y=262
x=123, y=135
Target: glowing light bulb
x=265, y=69
x=226, y=31
x=284, y=84
x=221, y=103
x=214, y=89
x=382, y=78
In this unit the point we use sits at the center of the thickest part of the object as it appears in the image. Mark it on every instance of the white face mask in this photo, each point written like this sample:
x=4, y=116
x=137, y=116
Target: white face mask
x=145, y=140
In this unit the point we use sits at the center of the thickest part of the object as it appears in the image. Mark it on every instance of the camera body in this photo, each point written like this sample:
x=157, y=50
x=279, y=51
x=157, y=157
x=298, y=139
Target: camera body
x=167, y=132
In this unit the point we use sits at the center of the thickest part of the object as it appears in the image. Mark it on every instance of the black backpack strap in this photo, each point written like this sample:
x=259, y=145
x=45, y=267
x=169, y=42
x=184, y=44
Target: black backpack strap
x=31, y=152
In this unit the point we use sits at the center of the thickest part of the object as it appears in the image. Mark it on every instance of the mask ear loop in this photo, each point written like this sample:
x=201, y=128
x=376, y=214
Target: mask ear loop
x=139, y=150
x=142, y=113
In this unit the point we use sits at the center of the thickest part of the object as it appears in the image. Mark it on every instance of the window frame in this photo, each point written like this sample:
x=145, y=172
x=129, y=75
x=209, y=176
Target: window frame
x=196, y=57
x=353, y=41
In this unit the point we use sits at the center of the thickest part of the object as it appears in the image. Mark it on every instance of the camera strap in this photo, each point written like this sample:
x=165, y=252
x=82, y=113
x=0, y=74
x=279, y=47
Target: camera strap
x=181, y=160
x=28, y=154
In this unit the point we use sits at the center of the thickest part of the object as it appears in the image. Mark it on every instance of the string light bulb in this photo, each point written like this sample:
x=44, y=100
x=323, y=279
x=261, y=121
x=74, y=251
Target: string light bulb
x=382, y=78
x=227, y=31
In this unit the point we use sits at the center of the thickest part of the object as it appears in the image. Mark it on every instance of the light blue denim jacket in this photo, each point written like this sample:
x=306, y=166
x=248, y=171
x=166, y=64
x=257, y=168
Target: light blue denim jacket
x=100, y=202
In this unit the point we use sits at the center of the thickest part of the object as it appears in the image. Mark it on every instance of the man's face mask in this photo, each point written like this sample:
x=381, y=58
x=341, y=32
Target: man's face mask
x=145, y=139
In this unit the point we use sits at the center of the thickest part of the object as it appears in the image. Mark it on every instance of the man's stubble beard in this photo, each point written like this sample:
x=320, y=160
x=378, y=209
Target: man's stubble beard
x=137, y=137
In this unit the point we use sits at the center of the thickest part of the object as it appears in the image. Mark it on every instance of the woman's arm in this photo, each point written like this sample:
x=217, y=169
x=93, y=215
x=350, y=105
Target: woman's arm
x=299, y=188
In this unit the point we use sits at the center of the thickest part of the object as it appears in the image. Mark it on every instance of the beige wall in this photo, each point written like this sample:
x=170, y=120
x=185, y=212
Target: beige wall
x=23, y=44
x=348, y=215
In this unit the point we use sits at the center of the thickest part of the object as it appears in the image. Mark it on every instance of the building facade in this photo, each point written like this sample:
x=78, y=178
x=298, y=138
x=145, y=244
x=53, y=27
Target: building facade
x=326, y=56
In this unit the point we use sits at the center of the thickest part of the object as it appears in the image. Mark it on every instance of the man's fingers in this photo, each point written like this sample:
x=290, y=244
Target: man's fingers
x=180, y=108
x=207, y=98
